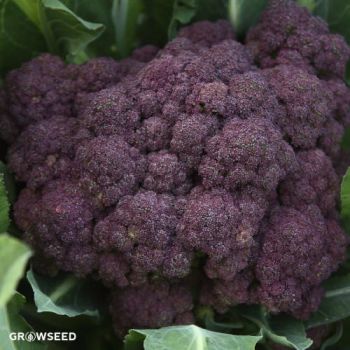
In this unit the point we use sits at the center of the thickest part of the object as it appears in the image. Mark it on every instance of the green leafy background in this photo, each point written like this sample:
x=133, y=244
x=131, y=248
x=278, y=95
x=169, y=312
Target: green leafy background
x=78, y=30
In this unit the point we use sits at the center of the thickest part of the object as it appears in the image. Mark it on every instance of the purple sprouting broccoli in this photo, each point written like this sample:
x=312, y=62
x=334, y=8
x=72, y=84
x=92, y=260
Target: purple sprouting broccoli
x=39, y=89
x=207, y=160
x=315, y=182
x=156, y=304
x=97, y=74
x=189, y=137
x=45, y=150
x=59, y=222
x=142, y=230
x=207, y=33
x=246, y=153
x=300, y=240
x=288, y=34
x=166, y=173
x=306, y=102
x=109, y=168
x=110, y=112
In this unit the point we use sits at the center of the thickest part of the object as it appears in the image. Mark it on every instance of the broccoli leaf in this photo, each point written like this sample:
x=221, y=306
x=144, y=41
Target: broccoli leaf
x=188, y=337
x=10, y=186
x=309, y=4
x=126, y=16
x=244, y=14
x=334, y=338
x=65, y=32
x=12, y=322
x=63, y=295
x=13, y=257
x=183, y=12
x=281, y=329
x=98, y=12
x=345, y=200
x=337, y=14
x=207, y=316
x=335, y=305
x=20, y=40
x=4, y=203
x=211, y=10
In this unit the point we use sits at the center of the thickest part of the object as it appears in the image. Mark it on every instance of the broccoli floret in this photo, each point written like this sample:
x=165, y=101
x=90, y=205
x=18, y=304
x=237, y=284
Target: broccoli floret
x=142, y=229
x=246, y=152
x=288, y=34
x=39, y=89
x=191, y=160
x=315, y=182
x=109, y=168
x=306, y=101
x=156, y=305
x=45, y=150
x=308, y=249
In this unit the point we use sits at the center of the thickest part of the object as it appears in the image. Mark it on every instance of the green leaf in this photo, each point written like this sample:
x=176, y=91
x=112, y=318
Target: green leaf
x=207, y=316
x=99, y=12
x=183, y=12
x=126, y=16
x=281, y=329
x=65, y=32
x=156, y=19
x=309, y=4
x=13, y=257
x=63, y=295
x=211, y=10
x=20, y=40
x=345, y=200
x=334, y=338
x=4, y=203
x=337, y=14
x=335, y=305
x=11, y=321
x=243, y=14
x=10, y=185
x=188, y=338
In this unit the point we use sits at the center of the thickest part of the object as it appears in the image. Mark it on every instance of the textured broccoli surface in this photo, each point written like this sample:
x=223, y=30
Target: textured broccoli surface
x=207, y=155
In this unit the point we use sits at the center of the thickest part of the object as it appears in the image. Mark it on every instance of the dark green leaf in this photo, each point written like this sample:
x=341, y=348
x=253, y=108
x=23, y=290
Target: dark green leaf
x=11, y=321
x=13, y=257
x=309, y=4
x=207, y=317
x=334, y=338
x=154, y=27
x=281, y=329
x=337, y=14
x=345, y=200
x=4, y=203
x=183, y=12
x=243, y=14
x=20, y=40
x=63, y=295
x=126, y=15
x=100, y=12
x=345, y=143
x=10, y=184
x=65, y=32
x=188, y=338
x=335, y=305
x=211, y=10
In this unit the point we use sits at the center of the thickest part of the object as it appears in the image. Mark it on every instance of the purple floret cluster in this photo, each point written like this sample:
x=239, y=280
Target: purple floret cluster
x=208, y=157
